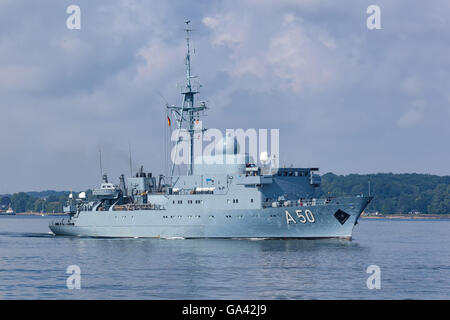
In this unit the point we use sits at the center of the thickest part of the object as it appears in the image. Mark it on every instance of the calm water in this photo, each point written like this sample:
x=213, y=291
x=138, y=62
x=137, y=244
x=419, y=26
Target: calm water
x=414, y=257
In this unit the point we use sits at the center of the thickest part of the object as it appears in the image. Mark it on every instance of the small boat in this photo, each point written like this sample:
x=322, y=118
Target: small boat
x=10, y=211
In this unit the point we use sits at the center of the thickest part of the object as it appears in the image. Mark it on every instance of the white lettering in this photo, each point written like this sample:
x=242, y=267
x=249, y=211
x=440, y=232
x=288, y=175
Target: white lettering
x=374, y=20
x=374, y=280
x=289, y=218
x=309, y=216
x=300, y=216
x=74, y=20
x=74, y=280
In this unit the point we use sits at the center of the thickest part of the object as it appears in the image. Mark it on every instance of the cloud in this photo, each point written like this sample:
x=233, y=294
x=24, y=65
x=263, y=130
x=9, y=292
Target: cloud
x=411, y=85
x=157, y=57
x=293, y=56
x=20, y=78
x=229, y=29
x=300, y=61
x=413, y=115
x=410, y=118
x=345, y=98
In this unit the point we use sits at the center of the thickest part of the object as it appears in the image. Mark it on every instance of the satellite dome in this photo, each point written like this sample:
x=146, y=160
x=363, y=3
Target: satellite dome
x=227, y=145
x=264, y=157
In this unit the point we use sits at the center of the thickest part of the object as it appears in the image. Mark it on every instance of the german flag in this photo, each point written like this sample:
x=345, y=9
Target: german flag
x=168, y=121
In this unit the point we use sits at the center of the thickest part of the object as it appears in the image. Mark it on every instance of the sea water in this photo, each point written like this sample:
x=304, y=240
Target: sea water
x=413, y=257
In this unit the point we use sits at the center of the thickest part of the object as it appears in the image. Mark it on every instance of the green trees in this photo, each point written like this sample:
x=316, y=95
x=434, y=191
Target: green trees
x=440, y=201
x=394, y=193
x=22, y=202
x=52, y=202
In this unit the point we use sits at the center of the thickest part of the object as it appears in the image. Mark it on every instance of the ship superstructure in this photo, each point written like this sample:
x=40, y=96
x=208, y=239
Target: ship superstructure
x=227, y=196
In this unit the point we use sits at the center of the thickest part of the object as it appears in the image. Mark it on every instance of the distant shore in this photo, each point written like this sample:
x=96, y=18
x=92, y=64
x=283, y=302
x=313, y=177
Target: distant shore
x=408, y=216
x=37, y=214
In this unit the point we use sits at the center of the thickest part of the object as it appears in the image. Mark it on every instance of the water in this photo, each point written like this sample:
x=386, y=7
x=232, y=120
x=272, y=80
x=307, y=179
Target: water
x=414, y=257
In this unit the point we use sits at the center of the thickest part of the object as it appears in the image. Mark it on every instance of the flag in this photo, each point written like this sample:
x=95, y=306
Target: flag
x=168, y=121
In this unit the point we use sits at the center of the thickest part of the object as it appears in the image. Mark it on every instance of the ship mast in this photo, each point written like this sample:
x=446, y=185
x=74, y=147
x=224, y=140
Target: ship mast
x=188, y=112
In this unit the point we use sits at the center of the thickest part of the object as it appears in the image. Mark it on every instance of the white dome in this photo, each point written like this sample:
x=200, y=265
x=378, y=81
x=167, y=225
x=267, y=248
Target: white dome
x=227, y=145
x=264, y=157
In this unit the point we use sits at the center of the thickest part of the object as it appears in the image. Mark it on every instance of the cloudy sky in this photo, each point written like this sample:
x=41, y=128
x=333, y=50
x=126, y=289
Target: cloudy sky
x=345, y=98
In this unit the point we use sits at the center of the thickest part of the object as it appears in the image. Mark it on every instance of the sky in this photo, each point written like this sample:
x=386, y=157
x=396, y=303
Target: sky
x=346, y=98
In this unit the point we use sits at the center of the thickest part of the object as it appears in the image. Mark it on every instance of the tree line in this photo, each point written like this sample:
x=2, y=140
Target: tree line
x=393, y=193
x=49, y=201
x=25, y=202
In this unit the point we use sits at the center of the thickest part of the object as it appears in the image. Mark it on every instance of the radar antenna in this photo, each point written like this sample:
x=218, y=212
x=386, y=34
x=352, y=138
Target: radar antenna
x=188, y=112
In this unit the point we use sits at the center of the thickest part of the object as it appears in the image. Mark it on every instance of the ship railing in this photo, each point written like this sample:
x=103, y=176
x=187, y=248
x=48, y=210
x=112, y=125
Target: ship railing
x=144, y=206
x=185, y=192
x=62, y=222
x=296, y=203
x=85, y=207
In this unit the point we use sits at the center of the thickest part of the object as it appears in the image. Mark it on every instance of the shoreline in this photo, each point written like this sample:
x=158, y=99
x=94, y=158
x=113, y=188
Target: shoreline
x=409, y=216
x=34, y=214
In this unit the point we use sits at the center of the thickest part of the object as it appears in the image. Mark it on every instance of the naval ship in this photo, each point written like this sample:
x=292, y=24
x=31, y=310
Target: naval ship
x=228, y=199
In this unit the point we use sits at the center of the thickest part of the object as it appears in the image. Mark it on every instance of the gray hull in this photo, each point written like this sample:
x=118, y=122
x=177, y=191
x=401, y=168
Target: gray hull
x=311, y=222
